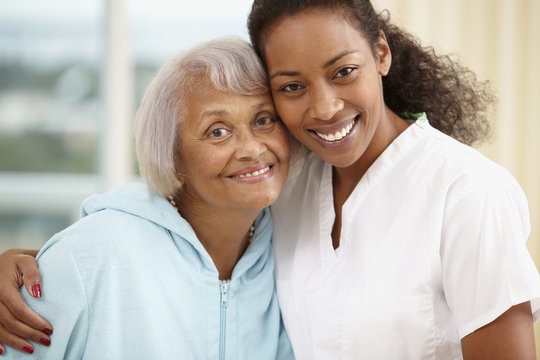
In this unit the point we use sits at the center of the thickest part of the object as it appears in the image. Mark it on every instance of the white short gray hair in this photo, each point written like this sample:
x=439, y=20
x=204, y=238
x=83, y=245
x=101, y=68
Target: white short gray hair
x=229, y=63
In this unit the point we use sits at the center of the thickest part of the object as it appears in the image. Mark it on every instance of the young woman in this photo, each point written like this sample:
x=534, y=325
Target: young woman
x=394, y=241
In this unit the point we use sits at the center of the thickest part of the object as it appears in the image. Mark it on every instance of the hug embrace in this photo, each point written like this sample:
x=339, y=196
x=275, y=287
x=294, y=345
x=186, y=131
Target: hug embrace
x=311, y=195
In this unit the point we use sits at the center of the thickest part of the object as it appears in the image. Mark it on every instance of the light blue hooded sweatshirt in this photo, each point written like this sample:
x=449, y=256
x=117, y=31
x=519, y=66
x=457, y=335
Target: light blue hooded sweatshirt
x=130, y=280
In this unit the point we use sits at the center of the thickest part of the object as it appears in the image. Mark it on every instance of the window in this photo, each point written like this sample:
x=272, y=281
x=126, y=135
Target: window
x=53, y=96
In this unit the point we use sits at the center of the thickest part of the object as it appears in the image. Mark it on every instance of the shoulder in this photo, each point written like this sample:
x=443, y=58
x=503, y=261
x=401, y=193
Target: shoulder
x=307, y=181
x=103, y=235
x=477, y=190
x=463, y=170
x=100, y=228
x=308, y=173
x=464, y=183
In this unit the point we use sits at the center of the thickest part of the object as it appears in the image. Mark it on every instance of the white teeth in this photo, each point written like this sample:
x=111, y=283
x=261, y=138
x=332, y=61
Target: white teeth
x=338, y=135
x=255, y=173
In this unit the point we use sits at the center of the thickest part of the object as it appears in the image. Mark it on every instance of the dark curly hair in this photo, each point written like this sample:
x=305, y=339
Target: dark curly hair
x=419, y=80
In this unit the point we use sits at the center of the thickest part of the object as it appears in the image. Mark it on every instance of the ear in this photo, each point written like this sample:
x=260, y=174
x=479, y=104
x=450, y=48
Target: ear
x=383, y=55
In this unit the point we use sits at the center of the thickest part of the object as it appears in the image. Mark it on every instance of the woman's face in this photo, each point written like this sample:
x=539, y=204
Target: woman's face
x=326, y=83
x=233, y=150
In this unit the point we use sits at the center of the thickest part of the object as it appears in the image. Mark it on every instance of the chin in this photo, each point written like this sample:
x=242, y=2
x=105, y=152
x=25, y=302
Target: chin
x=336, y=159
x=340, y=163
x=260, y=202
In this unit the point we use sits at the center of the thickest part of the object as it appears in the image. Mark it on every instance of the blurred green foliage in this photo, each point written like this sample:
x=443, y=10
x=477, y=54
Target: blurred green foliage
x=47, y=152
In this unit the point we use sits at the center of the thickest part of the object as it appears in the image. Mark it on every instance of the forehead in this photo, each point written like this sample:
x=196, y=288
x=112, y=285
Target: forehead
x=204, y=99
x=312, y=32
x=200, y=90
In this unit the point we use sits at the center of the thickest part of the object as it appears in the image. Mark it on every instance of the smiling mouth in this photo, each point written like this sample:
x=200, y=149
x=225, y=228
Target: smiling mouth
x=338, y=134
x=252, y=174
x=255, y=173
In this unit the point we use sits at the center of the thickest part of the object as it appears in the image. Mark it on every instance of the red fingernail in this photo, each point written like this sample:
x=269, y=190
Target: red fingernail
x=28, y=350
x=36, y=290
x=45, y=342
x=47, y=331
x=1, y=351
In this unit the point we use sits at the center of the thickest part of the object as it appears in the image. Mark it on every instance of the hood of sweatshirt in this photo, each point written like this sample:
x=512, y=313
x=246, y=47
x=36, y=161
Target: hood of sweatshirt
x=137, y=200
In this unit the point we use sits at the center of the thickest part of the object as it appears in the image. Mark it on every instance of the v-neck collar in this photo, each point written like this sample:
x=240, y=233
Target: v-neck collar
x=377, y=171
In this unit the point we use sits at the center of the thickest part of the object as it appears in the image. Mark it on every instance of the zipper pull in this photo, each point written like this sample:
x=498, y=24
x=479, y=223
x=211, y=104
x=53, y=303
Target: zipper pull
x=224, y=289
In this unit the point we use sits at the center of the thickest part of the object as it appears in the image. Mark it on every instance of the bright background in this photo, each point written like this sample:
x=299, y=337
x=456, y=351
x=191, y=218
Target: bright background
x=72, y=73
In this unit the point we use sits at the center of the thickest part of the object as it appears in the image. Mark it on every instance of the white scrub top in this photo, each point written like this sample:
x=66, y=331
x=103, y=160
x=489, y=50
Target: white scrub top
x=432, y=248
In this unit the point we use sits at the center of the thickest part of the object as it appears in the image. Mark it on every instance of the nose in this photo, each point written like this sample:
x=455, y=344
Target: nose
x=324, y=102
x=249, y=146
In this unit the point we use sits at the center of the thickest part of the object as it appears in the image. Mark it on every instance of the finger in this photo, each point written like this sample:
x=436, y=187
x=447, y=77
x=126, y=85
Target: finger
x=17, y=328
x=15, y=342
x=27, y=266
x=1, y=349
x=13, y=305
x=32, y=253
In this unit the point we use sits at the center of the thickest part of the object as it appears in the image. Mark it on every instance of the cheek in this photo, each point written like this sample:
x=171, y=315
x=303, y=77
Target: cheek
x=288, y=111
x=279, y=143
x=292, y=122
x=284, y=146
x=366, y=92
x=201, y=162
x=367, y=95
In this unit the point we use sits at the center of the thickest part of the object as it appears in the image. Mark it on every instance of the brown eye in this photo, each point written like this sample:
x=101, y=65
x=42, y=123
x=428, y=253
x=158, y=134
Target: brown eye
x=264, y=121
x=291, y=88
x=344, y=72
x=218, y=133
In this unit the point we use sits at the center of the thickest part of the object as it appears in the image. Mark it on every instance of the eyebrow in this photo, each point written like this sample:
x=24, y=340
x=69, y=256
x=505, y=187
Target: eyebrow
x=209, y=113
x=333, y=60
x=285, y=73
x=327, y=64
x=261, y=105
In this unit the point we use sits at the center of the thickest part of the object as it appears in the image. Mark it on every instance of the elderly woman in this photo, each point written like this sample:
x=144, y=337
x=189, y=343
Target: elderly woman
x=181, y=267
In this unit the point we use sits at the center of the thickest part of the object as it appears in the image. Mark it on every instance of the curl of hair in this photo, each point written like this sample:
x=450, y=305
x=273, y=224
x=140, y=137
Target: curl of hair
x=419, y=80
x=229, y=63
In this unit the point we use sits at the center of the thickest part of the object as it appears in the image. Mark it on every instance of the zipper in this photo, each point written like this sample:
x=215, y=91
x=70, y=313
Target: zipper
x=223, y=299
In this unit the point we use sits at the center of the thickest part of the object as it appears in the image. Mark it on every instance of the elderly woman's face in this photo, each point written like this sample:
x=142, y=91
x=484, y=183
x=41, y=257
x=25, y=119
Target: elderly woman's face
x=234, y=151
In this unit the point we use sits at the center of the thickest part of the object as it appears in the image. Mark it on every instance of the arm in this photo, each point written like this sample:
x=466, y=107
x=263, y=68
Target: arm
x=17, y=321
x=64, y=303
x=510, y=336
x=490, y=280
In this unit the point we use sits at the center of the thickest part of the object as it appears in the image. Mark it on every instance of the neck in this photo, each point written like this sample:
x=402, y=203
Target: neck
x=344, y=180
x=224, y=233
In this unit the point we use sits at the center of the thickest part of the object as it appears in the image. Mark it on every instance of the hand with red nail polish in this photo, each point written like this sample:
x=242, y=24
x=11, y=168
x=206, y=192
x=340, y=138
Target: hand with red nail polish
x=17, y=268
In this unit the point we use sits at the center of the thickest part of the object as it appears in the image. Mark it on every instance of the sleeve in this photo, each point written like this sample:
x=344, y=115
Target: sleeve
x=486, y=267
x=63, y=303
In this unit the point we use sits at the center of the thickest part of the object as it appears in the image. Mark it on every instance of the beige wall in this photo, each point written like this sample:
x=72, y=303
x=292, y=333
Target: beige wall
x=500, y=41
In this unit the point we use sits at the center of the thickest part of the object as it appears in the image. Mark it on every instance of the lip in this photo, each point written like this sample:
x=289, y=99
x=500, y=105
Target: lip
x=240, y=175
x=332, y=129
